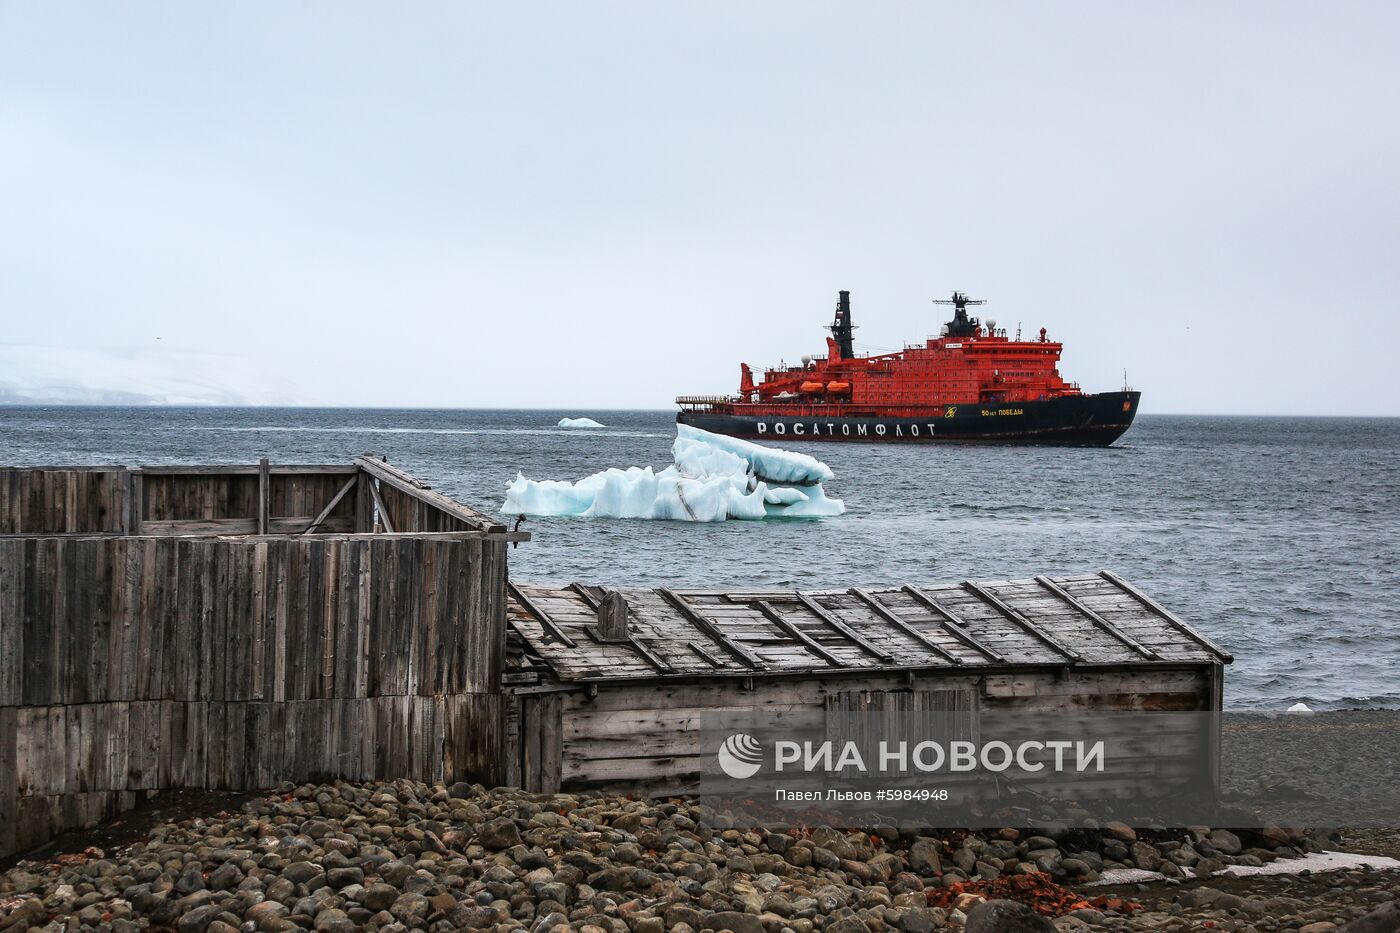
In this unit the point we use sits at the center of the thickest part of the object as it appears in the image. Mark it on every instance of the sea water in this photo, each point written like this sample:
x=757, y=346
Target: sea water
x=1278, y=537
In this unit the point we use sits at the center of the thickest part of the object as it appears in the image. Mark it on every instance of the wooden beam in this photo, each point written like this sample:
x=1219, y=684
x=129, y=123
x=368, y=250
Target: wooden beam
x=540, y=615
x=1072, y=600
x=137, y=504
x=202, y=526
x=587, y=594
x=657, y=663
x=325, y=513
x=890, y=616
x=655, y=660
x=423, y=493
x=952, y=624
x=1166, y=615
x=699, y=649
x=846, y=631
x=244, y=469
x=1018, y=617
x=796, y=634
x=379, y=506
x=403, y=476
x=264, y=495
x=709, y=628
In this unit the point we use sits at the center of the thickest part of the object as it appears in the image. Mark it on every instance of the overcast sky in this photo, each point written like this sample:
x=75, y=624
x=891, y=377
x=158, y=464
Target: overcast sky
x=607, y=205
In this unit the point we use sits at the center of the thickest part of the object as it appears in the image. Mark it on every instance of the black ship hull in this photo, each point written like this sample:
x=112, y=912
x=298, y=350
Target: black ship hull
x=1079, y=420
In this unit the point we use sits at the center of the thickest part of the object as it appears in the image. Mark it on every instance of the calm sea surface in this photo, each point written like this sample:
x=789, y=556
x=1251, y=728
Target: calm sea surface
x=1278, y=537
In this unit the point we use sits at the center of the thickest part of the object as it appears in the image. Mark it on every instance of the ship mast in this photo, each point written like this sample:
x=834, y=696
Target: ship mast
x=961, y=325
x=842, y=329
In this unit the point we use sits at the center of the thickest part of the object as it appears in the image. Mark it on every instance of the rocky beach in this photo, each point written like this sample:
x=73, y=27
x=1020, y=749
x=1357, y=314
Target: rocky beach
x=406, y=856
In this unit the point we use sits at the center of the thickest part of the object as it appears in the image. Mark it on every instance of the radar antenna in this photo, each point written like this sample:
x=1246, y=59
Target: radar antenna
x=961, y=325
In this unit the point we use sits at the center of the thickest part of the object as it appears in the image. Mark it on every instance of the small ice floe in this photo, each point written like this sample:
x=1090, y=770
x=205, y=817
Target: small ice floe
x=579, y=423
x=1314, y=862
x=1299, y=708
x=713, y=478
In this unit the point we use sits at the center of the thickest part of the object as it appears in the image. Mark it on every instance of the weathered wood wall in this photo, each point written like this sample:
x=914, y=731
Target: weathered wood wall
x=184, y=500
x=129, y=664
x=652, y=736
x=63, y=500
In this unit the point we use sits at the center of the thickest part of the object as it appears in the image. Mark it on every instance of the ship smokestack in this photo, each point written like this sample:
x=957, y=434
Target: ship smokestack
x=841, y=328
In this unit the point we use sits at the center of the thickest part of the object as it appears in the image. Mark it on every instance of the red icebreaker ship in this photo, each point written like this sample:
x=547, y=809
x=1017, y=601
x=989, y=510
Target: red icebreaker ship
x=971, y=383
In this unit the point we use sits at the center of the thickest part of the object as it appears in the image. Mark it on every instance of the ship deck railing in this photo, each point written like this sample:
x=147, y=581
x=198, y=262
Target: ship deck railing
x=703, y=401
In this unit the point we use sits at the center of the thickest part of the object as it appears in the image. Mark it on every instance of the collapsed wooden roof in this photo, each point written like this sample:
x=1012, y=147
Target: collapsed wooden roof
x=576, y=633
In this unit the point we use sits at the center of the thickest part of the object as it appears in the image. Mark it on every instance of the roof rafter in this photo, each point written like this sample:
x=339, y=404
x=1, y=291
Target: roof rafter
x=1078, y=604
x=890, y=616
x=1019, y=617
x=952, y=623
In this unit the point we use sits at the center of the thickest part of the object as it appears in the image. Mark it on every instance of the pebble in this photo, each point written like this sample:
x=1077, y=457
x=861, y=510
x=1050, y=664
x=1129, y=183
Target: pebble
x=403, y=856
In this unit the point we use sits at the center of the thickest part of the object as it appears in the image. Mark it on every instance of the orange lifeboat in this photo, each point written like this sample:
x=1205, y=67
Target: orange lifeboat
x=838, y=387
x=811, y=387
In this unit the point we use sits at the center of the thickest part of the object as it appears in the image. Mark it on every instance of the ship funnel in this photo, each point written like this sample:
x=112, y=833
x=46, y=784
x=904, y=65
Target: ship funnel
x=842, y=329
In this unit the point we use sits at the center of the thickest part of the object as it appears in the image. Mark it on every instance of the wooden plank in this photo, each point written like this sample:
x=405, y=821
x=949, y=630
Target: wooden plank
x=11, y=623
x=846, y=631
x=200, y=526
x=330, y=506
x=364, y=503
x=9, y=781
x=890, y=616
x=241, y=469
x=696, y=618
x=415, y=489
x=699, y=649
x=384, y=518
x=524, y=600
x=1016, y=616
x=264, y=493
x=952, y=624
x=797, y=634
x=1166, y=615
x=587, y=594
x=1097, y=619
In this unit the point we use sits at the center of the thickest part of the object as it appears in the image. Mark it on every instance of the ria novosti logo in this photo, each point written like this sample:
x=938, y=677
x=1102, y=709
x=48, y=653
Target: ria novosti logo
x=740, y=756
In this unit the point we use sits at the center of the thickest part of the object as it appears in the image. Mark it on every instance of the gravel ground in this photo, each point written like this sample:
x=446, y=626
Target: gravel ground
x=402, y=856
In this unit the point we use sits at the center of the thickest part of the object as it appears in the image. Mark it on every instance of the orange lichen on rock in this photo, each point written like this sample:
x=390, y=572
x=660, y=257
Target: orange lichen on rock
x=1036, y=890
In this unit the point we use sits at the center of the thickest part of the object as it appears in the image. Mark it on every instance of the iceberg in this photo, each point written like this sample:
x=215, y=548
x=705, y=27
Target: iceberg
x=579, y=423
x=767, y=463
x=713, y=478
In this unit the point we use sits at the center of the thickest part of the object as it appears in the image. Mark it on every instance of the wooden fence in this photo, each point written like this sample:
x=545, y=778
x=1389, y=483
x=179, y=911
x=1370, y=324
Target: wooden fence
x=193, y=654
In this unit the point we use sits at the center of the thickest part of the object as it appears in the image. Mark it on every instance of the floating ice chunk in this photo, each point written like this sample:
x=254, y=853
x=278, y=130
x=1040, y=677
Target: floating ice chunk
x=784, y=495
x=1299, y=708
x=815, y=505
x=548, y=497
x=579, y=423
x=767, y=463
x=697, y=459
x=713, y=478
x=629, y=493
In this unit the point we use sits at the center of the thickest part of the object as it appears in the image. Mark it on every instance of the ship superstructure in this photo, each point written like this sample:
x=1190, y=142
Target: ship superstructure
x=971, y=382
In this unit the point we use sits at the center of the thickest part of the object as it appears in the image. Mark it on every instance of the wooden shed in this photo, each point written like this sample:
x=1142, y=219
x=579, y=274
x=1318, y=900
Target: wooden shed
x=605, y=688
x=237, y=625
